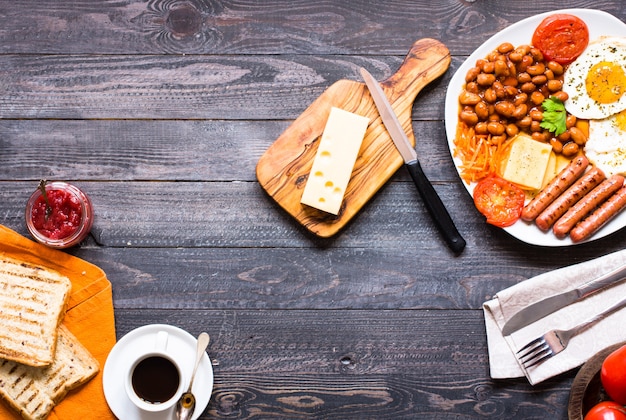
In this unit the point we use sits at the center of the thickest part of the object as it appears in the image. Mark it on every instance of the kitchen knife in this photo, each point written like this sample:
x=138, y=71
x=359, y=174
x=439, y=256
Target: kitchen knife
x=544, y=307
x=431, y=200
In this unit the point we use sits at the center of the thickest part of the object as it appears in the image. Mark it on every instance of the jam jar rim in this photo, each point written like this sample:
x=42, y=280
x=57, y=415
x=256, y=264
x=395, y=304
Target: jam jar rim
x=84, y=226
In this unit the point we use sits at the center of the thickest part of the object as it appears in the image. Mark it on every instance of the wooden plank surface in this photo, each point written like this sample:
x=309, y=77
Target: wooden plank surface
x=284, y=168
x=357, y=364
x=160, y=110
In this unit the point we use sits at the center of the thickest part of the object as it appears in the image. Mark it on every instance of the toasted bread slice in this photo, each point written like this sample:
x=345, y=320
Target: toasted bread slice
x=35, y=391
x=33, y=301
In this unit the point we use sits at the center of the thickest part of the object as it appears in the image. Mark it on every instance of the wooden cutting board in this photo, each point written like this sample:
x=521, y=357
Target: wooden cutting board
x=284, y=168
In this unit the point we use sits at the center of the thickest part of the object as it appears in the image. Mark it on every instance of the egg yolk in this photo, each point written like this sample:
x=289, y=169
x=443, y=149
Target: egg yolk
x=620, y=121
x=605, y=82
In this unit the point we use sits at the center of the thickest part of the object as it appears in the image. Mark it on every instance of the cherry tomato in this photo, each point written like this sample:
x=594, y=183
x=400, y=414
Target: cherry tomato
x=561, y=37
x=613, y=375
x=499, y=200
x=606, y=410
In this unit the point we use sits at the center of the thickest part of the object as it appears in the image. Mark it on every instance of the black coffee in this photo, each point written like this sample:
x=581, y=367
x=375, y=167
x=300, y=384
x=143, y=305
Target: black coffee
x=155, y=379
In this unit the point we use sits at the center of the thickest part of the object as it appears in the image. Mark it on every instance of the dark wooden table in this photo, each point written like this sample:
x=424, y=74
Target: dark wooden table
x=160, y=111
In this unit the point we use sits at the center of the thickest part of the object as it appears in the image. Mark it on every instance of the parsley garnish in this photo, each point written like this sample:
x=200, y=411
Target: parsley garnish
x=554, y=115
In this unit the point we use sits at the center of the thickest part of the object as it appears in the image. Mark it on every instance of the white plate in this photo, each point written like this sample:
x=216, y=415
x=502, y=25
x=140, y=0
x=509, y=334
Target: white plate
x=182, y=346
x=599, y=23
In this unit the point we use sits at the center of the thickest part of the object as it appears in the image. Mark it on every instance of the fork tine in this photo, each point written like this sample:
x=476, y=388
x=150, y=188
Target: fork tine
x=547, y=353
x=539, y=351
x=535, y=352
x=530, y=347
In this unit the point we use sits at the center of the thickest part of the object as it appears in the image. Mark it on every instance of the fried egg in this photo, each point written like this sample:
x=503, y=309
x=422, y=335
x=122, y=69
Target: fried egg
x=596, y=81
x=606, y=145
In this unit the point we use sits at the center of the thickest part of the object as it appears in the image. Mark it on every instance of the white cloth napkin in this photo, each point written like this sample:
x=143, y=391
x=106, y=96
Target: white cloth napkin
x=609, y=331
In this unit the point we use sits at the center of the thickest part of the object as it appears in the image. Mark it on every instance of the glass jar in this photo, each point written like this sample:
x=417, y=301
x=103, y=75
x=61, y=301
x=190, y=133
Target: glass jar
x=62, y=221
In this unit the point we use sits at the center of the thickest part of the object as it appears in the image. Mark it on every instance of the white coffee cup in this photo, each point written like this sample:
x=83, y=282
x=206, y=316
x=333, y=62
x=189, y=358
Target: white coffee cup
x=154, y=381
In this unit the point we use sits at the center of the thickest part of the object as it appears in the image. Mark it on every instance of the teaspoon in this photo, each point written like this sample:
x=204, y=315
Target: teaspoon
x=187, y=402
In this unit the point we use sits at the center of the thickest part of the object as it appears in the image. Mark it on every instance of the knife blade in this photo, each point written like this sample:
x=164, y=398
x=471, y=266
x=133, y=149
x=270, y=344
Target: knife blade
x=427, y=192
x=538, y=310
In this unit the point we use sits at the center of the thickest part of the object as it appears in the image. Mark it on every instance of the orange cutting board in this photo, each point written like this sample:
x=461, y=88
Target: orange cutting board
x=284, y=167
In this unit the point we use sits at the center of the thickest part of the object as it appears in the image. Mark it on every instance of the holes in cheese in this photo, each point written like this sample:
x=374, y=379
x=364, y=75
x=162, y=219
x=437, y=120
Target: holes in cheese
x=334, y=160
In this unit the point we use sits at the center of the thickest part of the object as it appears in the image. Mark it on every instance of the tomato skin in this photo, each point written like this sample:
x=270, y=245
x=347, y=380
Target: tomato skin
x=606, y=410
x=499, y=200
x=613, y=375
x=561, y=37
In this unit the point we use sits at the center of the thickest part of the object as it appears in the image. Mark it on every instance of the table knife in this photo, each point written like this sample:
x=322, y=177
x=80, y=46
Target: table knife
x=538, y=310
x=429, y=196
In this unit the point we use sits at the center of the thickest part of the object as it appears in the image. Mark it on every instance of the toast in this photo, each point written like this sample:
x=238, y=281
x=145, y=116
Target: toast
x=33, y=300
x=35, y=391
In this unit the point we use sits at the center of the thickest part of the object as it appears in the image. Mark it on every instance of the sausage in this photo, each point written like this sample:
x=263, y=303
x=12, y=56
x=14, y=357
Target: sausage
x=555, y=187
x=578, y=190
x=586, y=205
x=603, y=214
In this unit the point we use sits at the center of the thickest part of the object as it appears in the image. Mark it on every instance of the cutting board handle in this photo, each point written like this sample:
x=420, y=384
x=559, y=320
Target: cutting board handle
x=426, y=60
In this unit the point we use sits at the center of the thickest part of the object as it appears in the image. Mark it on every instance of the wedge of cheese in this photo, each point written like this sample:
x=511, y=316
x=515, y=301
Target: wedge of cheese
x=527, y=162
x=334, y=160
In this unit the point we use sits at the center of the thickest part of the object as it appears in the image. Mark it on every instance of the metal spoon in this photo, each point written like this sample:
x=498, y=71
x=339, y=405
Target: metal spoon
x=187, y=402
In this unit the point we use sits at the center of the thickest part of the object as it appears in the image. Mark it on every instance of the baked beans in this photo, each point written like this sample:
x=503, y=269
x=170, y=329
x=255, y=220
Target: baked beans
x=504, y=92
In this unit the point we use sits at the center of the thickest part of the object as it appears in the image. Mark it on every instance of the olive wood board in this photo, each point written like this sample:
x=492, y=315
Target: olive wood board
x=284, y=168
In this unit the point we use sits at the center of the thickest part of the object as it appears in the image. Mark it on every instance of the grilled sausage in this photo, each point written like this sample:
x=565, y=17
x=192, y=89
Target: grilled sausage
x=603, y=214
x=555, y=187
x=565, y=201
x=586, y=205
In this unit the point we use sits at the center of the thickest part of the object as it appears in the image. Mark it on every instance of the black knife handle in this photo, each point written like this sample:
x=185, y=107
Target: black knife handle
x=435, y=207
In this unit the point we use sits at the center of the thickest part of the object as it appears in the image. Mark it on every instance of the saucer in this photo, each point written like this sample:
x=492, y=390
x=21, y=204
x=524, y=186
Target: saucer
x=181, y=345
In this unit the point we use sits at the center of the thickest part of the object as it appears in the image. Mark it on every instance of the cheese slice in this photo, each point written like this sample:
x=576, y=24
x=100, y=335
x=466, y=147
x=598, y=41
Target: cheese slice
x=527, y=162
x=551, y=171
x=334, y=160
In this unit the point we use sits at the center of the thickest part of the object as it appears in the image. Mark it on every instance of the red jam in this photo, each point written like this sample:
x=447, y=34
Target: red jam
x=61, y=219
x=64, y=220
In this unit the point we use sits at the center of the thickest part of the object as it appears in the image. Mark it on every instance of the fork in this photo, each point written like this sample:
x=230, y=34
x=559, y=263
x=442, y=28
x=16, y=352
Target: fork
x=555, y=341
